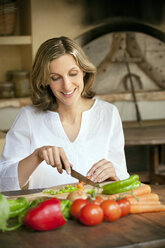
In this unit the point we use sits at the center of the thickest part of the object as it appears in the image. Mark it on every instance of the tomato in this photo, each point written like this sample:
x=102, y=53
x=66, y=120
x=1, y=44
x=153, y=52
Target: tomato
x=98, y=200
x=124, y=205
x=76, y=207
x=111, y=210
x=91, y=214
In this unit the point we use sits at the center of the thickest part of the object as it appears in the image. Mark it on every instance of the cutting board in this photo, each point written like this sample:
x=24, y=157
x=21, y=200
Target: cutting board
x=42, y=195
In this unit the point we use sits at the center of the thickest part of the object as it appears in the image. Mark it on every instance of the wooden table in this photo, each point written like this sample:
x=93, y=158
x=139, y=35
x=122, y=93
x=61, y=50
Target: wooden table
x=131, y=231
x=152, y=136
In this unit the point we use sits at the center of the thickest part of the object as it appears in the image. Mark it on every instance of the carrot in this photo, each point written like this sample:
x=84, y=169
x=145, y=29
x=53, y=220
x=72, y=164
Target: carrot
x=151, y=197
x=81, y=182
x=146, y=208
x=84, y=182
x=80, y=186
x=145, y=203
x=142, y=190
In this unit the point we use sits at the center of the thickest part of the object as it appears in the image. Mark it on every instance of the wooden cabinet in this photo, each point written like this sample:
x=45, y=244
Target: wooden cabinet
x=16, y=50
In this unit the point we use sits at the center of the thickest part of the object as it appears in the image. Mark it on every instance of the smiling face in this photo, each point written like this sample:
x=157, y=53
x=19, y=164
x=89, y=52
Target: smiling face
x=66, y=80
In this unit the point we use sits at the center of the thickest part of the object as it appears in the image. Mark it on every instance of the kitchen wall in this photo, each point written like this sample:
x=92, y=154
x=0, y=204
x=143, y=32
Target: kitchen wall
x=50, y=18
x=53, y=18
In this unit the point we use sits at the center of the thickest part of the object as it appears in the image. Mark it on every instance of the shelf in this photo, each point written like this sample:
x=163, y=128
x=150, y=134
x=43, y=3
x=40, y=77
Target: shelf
x=15, y=40
x=112, y=97
x=14, y=102
x=127, y=96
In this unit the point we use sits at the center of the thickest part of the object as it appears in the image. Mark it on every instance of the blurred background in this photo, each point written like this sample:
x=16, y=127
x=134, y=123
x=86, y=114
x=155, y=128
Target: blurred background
x=25, y=24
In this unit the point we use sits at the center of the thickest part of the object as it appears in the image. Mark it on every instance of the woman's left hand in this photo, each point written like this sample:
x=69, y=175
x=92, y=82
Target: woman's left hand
x=102, y=171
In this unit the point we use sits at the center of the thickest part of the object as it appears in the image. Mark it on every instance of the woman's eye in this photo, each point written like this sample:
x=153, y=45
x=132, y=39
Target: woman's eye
x=55, y=78
x=72, y=74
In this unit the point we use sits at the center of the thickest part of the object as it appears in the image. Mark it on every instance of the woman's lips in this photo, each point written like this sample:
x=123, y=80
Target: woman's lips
x=69, y=93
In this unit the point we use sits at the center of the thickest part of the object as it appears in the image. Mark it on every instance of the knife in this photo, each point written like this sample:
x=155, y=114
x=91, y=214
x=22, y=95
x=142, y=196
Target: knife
x=80, y=177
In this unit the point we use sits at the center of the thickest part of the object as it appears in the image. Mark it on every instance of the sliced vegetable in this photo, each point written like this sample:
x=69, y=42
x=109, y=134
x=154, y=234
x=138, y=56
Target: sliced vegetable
x=146, y=208
x=47, y=215
x=80, y=186
x=50, y=191
x=111, y=210
x=91, y=214
x=83, y=183
x=67, y=189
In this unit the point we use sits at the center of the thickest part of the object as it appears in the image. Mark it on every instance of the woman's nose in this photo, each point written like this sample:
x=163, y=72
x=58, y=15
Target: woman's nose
x=66, y=83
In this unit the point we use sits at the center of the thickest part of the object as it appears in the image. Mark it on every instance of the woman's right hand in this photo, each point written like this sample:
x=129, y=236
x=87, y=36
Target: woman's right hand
x=54, y=156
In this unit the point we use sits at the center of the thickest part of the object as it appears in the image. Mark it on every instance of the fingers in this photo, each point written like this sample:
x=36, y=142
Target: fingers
x=65, y=161
x=50, y=156
x=101, y=171
x=95, y=167
x=56, y=157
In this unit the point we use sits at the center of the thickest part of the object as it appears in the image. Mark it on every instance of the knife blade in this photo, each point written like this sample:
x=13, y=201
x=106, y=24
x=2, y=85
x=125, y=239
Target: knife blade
x=80, y=177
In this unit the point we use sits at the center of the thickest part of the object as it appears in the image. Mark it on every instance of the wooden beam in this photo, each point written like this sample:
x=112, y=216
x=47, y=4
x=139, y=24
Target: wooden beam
x=127, y=96
x=111, y=97
x=151, y=71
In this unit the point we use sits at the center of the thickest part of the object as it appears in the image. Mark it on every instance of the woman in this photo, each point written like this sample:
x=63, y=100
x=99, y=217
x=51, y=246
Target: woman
x=64, y=125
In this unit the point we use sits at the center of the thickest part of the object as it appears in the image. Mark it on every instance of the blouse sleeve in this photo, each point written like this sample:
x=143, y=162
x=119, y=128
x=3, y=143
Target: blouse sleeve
x=17, y=147
x=116, y=148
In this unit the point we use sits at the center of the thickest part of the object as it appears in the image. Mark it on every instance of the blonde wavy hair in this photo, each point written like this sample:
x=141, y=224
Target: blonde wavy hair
x=41, y=94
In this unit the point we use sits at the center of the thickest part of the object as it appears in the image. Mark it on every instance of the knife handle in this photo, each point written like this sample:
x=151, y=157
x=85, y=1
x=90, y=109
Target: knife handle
x=63, y=167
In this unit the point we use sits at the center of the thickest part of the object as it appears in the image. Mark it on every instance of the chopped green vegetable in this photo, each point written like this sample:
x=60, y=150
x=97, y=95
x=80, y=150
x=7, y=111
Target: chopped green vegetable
x=50, y=191
x=67, y=189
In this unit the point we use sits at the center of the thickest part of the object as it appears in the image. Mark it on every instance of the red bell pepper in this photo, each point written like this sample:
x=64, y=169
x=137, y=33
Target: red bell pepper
x=47, y=215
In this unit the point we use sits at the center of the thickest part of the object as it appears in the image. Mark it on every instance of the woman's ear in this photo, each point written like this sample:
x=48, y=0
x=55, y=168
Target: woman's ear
x=84, y=73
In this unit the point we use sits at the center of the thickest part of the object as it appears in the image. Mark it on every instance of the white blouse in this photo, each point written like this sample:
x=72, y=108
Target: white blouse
x=100, y=136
